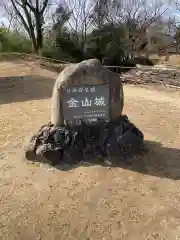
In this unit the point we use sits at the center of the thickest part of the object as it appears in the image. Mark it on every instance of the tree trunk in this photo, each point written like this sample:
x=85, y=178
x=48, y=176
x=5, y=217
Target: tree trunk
x=34, y=45
x=39, y=33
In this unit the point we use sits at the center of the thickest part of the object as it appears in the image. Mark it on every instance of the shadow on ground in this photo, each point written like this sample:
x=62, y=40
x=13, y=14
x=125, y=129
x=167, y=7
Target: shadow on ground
x=155, y=160
x=30, y=88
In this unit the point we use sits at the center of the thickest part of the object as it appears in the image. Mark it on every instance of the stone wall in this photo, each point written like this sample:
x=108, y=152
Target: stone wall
x=145, y=75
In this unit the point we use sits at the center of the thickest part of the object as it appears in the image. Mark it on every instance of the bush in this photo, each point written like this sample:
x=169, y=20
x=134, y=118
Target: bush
x=143, y=61
x=14, y=42
x=50, y=50
x=155, y=60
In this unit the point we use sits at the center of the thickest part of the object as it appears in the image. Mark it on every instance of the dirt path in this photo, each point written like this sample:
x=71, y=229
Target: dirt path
x=140, y=200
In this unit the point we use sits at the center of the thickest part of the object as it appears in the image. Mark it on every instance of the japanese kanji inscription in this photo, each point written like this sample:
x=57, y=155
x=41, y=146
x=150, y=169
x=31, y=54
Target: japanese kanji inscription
x=86, y=102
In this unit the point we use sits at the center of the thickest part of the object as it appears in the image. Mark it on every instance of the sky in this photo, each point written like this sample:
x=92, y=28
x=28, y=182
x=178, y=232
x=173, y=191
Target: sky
x=171, y=12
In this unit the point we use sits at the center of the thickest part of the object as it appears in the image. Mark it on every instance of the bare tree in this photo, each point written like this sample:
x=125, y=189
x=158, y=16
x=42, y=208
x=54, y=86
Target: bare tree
x=135, y=16
x=177, y=4
x=30, y=13
x=176, y=24
x=12, y=19
x=80, y=21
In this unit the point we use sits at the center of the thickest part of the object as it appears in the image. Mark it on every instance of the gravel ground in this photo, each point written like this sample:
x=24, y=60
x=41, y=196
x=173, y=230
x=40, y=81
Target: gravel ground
x=139, y=200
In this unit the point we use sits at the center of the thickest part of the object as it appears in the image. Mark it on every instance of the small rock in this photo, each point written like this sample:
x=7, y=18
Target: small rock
x=51, y=169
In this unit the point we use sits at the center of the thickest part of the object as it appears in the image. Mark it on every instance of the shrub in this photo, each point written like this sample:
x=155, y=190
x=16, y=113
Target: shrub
x=14, y=42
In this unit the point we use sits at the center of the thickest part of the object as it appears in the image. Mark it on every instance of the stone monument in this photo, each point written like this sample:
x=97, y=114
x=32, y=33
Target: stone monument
x=88, y=72
x=86, y=119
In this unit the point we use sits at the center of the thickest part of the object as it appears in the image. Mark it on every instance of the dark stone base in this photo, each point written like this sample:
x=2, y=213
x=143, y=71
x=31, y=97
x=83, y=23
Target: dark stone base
x=70, y=145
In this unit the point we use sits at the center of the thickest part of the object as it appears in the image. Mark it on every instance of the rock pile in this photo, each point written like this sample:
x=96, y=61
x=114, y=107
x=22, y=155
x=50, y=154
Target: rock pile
x=156, y=74
x=72, y=144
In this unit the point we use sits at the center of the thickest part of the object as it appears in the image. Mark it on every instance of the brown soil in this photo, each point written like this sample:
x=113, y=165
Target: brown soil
x=139, y=200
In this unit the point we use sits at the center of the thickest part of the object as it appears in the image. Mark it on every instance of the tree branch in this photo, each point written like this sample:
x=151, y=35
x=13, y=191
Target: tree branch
x=44, y=6
x=20, y=16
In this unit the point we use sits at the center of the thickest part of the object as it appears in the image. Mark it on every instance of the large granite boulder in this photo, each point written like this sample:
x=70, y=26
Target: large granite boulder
x=88, y=72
